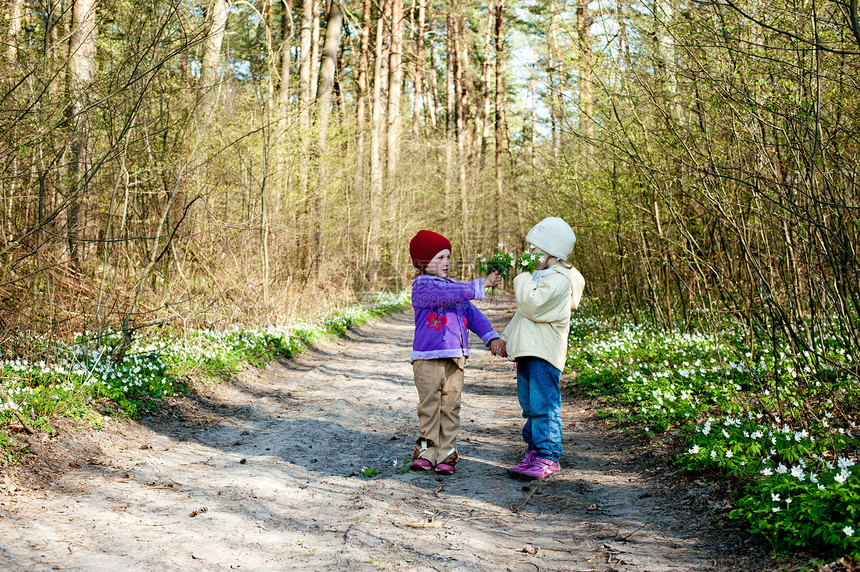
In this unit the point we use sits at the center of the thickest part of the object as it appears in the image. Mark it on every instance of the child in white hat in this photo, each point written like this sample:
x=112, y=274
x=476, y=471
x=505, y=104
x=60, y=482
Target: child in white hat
x=537, y=340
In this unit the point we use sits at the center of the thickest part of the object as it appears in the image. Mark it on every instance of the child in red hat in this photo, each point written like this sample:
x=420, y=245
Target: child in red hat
x=443, y=316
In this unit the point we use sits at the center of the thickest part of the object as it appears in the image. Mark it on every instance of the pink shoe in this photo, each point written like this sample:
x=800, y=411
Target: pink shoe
x=444, y=469
x=420, y=464
x=524, y=464
x=540, y=468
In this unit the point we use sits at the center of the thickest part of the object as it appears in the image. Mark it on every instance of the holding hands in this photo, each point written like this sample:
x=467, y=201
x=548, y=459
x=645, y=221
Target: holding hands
x=499, y=347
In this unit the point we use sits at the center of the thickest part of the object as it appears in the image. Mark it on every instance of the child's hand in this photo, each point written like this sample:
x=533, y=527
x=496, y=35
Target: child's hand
x=499, y=347
x=492, y=280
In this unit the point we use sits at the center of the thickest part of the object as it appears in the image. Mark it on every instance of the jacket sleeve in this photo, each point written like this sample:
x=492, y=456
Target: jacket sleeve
x=543, y=302
x=479, y=324
x=440, y=293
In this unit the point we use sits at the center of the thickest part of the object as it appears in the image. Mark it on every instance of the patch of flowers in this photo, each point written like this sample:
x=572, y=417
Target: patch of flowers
x=796, y=475
x=136, y=374
x=503, y=262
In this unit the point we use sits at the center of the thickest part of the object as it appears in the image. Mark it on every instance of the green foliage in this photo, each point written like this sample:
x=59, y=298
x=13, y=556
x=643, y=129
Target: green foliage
x=503, y=262
x=806, y=510
x=370, y=472
x=796, y=481
x=9, y=451
x=136, y=377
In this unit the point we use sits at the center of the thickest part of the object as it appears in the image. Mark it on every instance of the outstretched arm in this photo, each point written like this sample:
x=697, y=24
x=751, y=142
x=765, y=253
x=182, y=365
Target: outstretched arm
x=440, y=293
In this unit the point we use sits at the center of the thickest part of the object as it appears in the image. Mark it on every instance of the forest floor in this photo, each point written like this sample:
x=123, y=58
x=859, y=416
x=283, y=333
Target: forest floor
x=270, y=472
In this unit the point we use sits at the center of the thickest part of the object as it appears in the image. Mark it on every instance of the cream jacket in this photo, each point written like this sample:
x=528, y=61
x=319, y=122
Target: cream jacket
x=541, y=324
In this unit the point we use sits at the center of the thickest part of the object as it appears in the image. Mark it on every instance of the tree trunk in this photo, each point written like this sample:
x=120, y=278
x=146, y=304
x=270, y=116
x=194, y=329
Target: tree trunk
x=82, y=54
x=286, y=58
x=328, y=66
x=482, y=124
x=460, y=124
x=54, y=22
x=533, y=91
x=664, y=16
x=586, y=99
x=315, y=49
x=500, y=102
x=361, y=81
x=375, y=227
x=449, y=105
x=216, y=29
x=554, y=74
x=305, y=64
x=16, y=17
x=287, y=29
x=431, y=98
x=418, y=103
x=395, y=77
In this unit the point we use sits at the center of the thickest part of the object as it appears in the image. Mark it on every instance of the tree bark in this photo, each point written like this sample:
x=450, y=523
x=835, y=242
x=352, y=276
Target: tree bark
x=82, y=53
x=286, y=57
x=533, y=91
x=500, y=103
x=586, y=99
x=482, y=125
x=418, y=103
x=449, y=104
x=328, y=66
x=431, y=98
x=305, y=64
x=361, y=80
x=16, y=17
x=374, y=228
x=460, y=123
x=216, y=29
x=287, y=29
x=554, y=73
x=315, y=49
x=395, y=78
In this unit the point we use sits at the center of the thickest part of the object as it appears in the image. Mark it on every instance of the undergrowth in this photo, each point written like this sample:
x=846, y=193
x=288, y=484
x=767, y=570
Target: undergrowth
x=96, y=374
x=770, y=427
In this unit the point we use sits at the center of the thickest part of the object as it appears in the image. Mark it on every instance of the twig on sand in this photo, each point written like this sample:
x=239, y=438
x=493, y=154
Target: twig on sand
x=625, y=538
x=525, y=502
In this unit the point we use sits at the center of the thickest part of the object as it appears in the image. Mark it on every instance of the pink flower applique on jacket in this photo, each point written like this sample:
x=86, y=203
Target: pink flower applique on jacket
x=434, y=321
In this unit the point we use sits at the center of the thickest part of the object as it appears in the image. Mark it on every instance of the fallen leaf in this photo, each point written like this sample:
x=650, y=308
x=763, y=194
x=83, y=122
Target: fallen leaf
x=529, y=549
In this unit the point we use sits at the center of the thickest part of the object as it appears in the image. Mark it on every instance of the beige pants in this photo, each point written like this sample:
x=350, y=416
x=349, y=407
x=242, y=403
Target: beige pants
x=439, y=383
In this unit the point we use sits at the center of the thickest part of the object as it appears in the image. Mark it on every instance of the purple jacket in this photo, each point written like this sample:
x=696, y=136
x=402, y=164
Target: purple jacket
x=443, y=316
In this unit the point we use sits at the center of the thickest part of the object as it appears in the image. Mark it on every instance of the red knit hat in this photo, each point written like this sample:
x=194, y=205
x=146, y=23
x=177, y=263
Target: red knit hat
x=425, y=245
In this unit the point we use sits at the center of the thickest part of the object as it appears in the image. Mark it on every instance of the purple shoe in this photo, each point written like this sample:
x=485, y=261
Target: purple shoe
x=540, y=468
x=420, y=464
x=524, y=464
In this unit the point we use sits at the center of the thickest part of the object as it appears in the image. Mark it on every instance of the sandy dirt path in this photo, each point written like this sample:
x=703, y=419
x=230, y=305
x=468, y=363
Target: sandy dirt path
x=265, y=473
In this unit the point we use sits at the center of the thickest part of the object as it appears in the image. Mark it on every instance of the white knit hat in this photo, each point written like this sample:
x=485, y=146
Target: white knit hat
x=553, y=236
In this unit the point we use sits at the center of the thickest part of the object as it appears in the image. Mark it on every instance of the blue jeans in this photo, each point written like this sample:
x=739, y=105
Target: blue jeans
x=539, y=393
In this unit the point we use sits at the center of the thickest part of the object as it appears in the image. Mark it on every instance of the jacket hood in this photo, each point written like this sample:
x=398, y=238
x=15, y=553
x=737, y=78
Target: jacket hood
x=577, y=282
